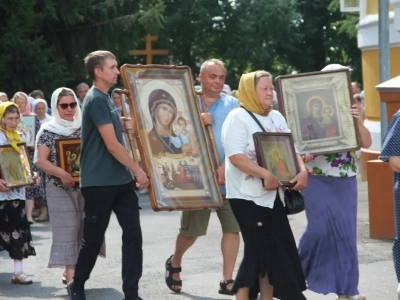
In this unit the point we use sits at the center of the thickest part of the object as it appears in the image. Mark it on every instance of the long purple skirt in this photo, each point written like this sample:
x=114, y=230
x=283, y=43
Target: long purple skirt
x=328, y=247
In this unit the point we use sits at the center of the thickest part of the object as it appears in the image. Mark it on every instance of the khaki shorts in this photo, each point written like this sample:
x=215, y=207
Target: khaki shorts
x=195, y=223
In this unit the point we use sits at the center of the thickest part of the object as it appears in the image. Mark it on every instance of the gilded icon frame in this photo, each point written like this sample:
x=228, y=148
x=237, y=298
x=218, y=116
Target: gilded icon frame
x=275, y=152
x=317, y=107
x=68, y=156
x=176, y=154
x=17, y=163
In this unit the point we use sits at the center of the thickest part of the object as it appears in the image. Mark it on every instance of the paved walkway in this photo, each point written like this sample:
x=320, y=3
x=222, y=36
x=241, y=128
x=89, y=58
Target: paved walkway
x=201, y=266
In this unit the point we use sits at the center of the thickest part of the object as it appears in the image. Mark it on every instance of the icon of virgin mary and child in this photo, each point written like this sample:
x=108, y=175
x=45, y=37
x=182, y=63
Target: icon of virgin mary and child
x=321, y=121
x=163, y=112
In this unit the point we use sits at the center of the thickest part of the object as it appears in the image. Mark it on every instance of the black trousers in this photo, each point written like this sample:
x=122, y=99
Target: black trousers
x=100, y=201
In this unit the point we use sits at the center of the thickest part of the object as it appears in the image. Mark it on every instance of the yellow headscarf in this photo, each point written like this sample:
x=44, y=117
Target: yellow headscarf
x=247, y=95
x=12, y=136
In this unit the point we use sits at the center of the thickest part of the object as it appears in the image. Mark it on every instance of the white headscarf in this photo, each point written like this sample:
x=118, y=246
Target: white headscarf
x=47, y=117
x=58, y=125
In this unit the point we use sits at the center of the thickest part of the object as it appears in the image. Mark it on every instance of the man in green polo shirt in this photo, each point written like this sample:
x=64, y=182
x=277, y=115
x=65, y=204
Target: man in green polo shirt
x=106, y=180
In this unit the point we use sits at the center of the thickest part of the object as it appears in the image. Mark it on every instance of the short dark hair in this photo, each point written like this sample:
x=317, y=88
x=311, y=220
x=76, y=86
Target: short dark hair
x=63, y=93
x=11, y=109
x=37, y=93
x=96, y=60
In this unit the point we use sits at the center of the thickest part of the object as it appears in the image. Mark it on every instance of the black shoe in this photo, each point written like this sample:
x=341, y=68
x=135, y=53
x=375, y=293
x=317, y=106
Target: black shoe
x=137, y=298
x=75, y=295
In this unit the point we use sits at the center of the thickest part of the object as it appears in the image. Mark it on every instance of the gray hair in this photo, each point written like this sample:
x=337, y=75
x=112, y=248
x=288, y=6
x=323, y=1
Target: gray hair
x=260, y=74
x=213, y=61
x=82, y=84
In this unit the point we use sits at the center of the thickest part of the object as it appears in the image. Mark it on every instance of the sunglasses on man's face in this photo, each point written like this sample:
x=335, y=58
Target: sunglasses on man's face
x=66, y=105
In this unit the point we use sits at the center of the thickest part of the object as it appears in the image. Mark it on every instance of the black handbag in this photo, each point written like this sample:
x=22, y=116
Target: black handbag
x=294, y=201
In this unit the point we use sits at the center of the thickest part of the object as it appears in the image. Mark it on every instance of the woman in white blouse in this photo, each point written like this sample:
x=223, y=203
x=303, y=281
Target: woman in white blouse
x=271, y=263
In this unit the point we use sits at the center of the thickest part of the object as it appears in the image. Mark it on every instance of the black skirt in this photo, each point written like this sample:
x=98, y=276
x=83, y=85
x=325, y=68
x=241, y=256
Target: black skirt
x=15, y=233
x=269, y=249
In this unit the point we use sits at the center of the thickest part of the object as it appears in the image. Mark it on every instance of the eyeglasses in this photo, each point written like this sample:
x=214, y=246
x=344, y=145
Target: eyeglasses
x=66, y=105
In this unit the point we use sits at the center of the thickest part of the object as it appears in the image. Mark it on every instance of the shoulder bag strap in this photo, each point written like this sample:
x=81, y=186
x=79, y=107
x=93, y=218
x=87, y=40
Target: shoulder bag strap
x=254, y=118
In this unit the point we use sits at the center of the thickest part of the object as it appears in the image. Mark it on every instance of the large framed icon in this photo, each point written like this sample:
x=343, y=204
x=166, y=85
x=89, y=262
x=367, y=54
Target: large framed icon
x=317, y=106
x=15, y=166
x=171, y=138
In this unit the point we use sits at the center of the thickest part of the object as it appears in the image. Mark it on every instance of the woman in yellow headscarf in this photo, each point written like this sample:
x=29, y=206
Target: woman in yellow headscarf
x=271, y=263
x=15, y=234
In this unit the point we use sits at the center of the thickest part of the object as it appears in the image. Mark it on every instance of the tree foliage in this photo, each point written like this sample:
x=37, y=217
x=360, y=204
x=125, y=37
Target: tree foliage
x=329, y=37
x=43, y=42
x=245, y=34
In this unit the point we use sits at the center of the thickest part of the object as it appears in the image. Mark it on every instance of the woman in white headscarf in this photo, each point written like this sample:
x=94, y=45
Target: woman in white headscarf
x=40, y=108
x=64, y=198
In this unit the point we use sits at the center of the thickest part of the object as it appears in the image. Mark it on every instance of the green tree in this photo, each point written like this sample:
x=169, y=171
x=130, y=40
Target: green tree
x=329, y=36
x=246, y=34
x=44, y=42
x=26, y=59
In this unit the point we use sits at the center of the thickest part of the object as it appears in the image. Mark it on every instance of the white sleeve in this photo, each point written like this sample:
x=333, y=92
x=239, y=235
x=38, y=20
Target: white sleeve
x=234, y=134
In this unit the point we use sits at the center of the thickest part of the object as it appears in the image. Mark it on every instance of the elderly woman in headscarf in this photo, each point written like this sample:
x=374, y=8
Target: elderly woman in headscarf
x=163, y=113
x=65, y=201
x=271, y=264
x=32, y=194
x=40, y=108
x=15, y=234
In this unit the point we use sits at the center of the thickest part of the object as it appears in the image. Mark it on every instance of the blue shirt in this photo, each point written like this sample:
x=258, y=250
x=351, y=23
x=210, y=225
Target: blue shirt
x=219, y=111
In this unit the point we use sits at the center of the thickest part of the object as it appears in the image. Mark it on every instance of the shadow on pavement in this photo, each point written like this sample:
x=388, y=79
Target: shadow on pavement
x=193, y=297
x=9, y=290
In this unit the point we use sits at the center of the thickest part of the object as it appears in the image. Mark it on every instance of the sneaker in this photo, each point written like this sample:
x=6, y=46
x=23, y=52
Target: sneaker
x=75, y=295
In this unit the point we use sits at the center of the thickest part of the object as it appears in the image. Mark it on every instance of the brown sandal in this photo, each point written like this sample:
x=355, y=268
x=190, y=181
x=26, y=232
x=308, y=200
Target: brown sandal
x=20, y=278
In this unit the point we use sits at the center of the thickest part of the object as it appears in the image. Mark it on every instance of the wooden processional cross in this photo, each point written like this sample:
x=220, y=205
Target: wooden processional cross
x=149, y=52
